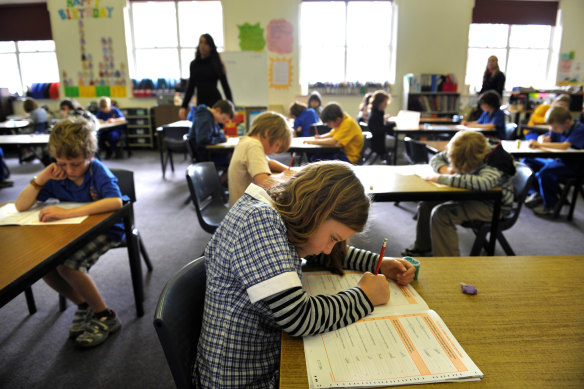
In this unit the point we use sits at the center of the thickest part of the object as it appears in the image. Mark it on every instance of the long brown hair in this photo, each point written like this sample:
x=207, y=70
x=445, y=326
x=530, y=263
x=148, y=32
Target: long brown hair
x=319, y=192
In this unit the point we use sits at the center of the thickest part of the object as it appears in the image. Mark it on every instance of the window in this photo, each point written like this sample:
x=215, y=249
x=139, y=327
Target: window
x=523, y=52
x=170, y=30
x=352, y=44
x=27, y=62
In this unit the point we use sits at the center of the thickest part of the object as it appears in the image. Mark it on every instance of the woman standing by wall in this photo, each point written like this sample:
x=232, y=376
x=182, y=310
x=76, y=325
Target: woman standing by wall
x=205, y=70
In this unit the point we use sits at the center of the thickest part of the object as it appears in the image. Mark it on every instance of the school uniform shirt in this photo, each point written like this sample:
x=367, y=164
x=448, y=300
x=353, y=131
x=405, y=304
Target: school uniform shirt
x=575, y=136
x=99, y=183
x=307, y=118
x=481, y=179
x=249, y=159
x=39, y=120
x=379, y=129
x=254, y=292
x=113, y=113
x=204, y=129
x=538, y=116
x=498, y=119
x=350, y=136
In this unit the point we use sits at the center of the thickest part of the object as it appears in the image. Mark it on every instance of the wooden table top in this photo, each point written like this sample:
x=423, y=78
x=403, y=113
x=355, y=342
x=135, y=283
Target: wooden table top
x=297, y=144
x=24, y=248
x=524, y=328
x=519, y=148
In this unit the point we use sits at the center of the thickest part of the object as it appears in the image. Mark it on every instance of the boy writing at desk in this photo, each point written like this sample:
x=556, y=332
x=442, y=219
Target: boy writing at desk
x=345, y=133
x=78, y=177
x=254, y=288
x=565, y=133
x=108, y=137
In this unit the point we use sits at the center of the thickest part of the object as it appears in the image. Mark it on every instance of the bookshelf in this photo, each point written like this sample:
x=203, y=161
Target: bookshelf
x=431, y=94
x=139, y=127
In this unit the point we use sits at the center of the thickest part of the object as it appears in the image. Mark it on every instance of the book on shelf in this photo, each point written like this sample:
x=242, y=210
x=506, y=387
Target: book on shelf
x=402, y=342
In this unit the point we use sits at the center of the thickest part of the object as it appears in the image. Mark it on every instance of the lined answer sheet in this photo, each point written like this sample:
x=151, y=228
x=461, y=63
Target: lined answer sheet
x=10, y=216
x=401, y=343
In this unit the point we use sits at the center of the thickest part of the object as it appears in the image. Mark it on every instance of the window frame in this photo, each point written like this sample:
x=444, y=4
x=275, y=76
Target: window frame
x=346, y=46
x=132, y=49
x=17, y=52
x=508, y=48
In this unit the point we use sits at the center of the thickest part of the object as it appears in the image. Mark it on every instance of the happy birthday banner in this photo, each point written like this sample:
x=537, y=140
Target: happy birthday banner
x=96, y=72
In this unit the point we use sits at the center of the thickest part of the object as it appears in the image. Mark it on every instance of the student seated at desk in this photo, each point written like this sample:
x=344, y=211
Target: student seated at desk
x=345, y=133
x=303, y=118
x=269, y=134
x=565, y=133
x=108, y=137
x=205, y=129
x=492, y=116
x=78, y=177
x=4, y=183
x=253, y=288
x=379, y=129
x=363, y=114
x=471, y=163
x=538, y=116
x=315, y=102
x=71, y=108
x=38, y=116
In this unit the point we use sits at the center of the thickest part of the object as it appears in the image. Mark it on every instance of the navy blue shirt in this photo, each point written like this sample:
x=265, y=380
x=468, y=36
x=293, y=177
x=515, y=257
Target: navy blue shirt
x=575, y=136
x=498, y=119
x=113, y=113
x=204, y=129
x=307, y=118
x=99, y=183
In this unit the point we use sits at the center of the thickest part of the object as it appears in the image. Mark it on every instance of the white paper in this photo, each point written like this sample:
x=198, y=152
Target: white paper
x=10, y=216
x=400, y=343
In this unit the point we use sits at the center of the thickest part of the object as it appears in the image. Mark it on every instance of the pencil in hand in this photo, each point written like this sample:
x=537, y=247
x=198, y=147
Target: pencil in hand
x=291, y=160
x=381, y=256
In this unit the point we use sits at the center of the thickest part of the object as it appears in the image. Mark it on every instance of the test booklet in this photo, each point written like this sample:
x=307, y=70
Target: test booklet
x=400, y=343
x=10, y=216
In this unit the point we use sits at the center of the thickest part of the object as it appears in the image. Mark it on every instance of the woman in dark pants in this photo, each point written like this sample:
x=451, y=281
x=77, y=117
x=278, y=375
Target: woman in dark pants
x=205, y=70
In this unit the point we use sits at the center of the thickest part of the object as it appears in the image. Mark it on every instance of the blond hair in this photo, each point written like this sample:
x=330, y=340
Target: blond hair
x=104, y=102
x=467, y=150
x=73, y=138
x=319, y=192
x=563, y=98
x=557, y=114
x=273, y=126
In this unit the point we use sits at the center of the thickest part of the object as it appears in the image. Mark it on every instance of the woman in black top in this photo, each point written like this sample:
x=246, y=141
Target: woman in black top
x=377, y=125
x=493, y=78
x=205, y=70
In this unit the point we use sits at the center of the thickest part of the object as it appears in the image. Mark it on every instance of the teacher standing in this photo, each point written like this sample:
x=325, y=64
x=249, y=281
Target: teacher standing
x=205, y=70
x=493, y=79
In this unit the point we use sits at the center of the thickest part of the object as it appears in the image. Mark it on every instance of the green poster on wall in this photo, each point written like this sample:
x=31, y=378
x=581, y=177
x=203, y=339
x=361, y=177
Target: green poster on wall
x=251, y=37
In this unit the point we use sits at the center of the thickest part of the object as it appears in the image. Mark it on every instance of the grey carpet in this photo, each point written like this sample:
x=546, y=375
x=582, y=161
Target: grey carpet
x=35, y=352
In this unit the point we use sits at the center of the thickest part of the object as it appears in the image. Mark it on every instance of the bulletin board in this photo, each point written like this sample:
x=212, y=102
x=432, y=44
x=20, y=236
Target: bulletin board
x=247, y=74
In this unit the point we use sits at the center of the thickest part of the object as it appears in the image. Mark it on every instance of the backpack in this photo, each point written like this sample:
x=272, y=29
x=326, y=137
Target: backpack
x=501, y=159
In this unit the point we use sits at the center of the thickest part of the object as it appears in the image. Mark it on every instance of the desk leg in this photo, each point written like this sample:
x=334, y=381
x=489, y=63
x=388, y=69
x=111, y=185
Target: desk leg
x=395, y=149
x=161, y=148
x=30, y=300
x=495, y=226
x=135, y=264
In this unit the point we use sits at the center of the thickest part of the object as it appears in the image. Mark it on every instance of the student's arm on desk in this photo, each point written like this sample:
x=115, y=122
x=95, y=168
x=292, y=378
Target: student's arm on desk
x=323, y=142
x=100, y=206
x=267, y=180
x=542, y=143
x=486, y=126
x=487, y=178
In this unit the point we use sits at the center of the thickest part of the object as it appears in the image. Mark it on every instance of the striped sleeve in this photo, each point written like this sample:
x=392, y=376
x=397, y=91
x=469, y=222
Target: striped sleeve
x=355, y=259
x=487, y=178
x=300, y=314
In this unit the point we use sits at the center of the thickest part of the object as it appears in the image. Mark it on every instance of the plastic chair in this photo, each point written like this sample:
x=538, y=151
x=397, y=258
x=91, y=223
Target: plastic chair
x=174, y=143
x=416, y=151
x=207, y=194
x=178, y=320
x=511, y=131
x=567, y=184
x=521, y=184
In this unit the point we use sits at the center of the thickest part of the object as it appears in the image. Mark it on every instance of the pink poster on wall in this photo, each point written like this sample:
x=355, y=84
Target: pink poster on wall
x=280, y=36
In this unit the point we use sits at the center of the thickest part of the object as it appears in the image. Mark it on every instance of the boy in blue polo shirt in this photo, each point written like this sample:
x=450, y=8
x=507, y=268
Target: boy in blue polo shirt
x=492, y=116
x=108, y=137
x=565, y=133
x=205, y=129
x=78, y=177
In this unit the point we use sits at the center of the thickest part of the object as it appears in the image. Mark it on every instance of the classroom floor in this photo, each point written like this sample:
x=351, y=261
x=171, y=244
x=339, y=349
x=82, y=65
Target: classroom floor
x=35, y=351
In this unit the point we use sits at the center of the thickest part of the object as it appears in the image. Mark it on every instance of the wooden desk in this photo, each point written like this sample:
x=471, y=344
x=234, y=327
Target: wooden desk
x=27, y=253
x=13, y=126
x=24, y=139
x=539, y=128
x=397, y=183
x=524, y=328
x=441, y=120
x=425, y=130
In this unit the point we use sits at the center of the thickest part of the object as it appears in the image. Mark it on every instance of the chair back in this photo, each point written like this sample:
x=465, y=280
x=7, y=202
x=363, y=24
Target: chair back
x=521, y=183
x=416, y=151
x=126, y=182
x=207, y=194
x=173, y=138
x=178, y=319
x=510, y=131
